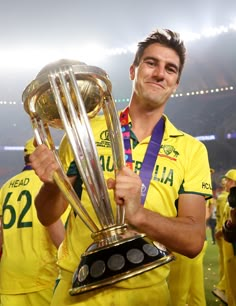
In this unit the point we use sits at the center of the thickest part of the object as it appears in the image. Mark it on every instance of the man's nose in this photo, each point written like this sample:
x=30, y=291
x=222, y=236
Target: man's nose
x=159, y=71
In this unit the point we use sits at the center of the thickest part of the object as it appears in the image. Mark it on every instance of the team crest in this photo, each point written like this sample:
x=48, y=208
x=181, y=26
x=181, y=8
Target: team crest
x=170, y=150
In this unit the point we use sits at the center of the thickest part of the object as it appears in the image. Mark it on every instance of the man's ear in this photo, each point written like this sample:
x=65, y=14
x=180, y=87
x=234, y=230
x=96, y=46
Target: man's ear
x=176, y=86
x=131, y=72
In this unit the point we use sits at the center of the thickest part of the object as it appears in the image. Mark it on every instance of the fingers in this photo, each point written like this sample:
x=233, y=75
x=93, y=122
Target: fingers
x=127, y=172
x=111, y=183
x=127, y=187
x=44, y=164
x=128, y=180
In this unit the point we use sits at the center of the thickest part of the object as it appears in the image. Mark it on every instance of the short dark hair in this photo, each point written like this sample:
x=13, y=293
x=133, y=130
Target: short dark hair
x=164, y=37
x=26, y=159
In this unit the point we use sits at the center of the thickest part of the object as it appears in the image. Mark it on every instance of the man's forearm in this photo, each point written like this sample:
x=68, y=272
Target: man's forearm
x=50, y=204
x=56, y=232
x=181, y=234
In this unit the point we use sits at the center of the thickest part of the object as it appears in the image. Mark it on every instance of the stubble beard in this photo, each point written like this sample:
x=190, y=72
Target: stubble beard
x=154, y=101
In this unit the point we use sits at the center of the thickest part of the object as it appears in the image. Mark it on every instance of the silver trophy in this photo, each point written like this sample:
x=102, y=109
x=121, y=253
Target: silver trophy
x=65, y=95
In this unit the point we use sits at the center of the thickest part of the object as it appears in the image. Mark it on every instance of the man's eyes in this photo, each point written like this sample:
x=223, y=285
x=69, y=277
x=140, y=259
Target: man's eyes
x=151, y=63
x=169, y=68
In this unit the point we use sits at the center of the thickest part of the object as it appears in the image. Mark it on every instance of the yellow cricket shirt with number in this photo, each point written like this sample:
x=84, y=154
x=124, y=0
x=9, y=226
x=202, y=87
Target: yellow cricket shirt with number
x=28, y=261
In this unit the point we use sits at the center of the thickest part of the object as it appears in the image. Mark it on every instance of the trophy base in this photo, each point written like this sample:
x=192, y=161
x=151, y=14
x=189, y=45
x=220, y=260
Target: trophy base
x=118, y=262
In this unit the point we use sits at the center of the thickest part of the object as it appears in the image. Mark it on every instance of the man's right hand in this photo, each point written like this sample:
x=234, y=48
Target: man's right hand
x=44, y=163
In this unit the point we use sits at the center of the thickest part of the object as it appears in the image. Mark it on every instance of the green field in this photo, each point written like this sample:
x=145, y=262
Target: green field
x=211, y=277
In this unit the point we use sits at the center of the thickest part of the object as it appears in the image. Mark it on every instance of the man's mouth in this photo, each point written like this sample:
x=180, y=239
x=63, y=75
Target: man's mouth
x=156, y=84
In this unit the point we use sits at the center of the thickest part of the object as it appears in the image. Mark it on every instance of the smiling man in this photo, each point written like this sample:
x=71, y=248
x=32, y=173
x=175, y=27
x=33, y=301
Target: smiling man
x=168, y=165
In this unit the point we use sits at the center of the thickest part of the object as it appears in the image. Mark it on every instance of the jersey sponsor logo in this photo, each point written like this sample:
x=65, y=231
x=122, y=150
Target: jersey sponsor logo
x=104, y=140
x=206, y=186
x=105, y=135
x=19, y=183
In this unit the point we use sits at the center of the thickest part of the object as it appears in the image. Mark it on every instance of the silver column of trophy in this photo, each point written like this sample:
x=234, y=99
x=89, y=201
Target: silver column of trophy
x=65, y=95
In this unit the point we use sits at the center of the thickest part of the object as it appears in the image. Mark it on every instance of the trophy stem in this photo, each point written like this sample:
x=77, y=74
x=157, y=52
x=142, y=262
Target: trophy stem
x=109, y=235
x=116, y=139
x=41, y=131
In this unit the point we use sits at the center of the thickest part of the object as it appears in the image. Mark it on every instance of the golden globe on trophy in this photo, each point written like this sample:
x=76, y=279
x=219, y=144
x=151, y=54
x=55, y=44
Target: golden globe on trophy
x=65, y=95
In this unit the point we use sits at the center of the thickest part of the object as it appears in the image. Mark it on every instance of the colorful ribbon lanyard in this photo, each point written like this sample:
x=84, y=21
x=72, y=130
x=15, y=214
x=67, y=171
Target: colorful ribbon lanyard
x=150, y=155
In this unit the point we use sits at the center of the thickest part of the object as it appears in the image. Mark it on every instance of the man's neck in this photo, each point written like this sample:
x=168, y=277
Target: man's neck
x=144, y=121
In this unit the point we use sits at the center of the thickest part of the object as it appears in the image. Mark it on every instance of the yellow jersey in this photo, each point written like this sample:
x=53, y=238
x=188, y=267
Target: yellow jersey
x=181, y=167
x=28, y=262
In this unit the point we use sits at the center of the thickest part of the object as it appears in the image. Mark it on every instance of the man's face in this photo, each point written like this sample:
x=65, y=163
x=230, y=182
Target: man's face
x=229, y=184
x=156, y=76
x=223, y=182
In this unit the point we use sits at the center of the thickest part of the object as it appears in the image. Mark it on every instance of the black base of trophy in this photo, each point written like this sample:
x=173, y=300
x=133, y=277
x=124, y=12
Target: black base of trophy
x=115, y=263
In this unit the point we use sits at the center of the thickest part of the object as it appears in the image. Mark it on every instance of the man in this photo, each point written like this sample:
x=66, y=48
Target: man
x=229, y=227
x=229, y=245
x=28, y=267
x=174, y=210
x=221, y=200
